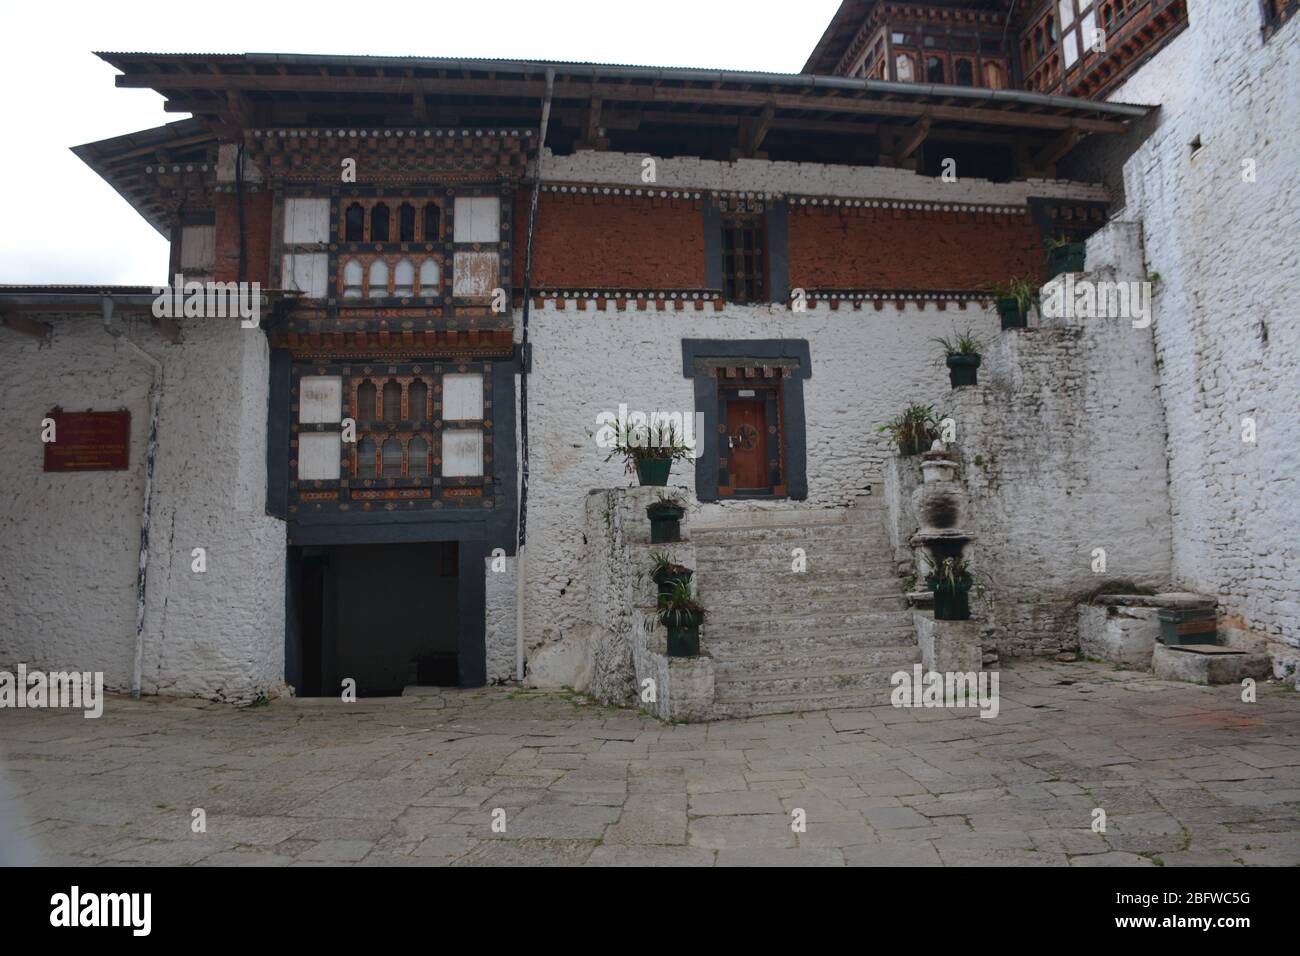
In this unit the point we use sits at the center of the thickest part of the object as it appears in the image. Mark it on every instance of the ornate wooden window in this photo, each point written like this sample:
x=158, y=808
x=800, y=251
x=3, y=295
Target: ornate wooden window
x=744, y=265
x=423, y=436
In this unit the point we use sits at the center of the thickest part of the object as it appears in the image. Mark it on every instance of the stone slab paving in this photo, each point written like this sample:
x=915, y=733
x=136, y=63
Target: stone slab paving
x=1187, y=776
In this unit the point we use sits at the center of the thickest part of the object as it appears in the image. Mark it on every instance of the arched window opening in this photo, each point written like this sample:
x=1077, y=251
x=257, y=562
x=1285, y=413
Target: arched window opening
x=354, y=223
x=406, y=223
x=417, y=401
x=934, y=70
x=392, y=401
x=417, y=458
x=366, y=458
x=366, y=410
x=993, y=75
x=965, y=73
x=904, y=67
x=432, y=222
x=378, y=279
x=352, y=278
x=430, y=276
x=404, y=278
x=379, y=223
x=392, y=458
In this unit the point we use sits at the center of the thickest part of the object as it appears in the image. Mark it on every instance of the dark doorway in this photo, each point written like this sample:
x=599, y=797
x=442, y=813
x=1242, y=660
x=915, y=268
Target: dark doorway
x=386, y=616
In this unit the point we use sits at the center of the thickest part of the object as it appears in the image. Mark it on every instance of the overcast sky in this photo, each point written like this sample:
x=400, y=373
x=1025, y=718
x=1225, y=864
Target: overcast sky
x=66, y=225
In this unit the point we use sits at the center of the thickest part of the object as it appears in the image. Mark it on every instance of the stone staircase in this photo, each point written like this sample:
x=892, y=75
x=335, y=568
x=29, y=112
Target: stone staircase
x=785, y=642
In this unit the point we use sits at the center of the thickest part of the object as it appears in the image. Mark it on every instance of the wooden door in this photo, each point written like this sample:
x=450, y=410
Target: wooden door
x=747, y=444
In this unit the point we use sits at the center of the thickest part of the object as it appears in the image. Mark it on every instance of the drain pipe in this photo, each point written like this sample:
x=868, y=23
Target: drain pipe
x=525, y=358
x=151, y=454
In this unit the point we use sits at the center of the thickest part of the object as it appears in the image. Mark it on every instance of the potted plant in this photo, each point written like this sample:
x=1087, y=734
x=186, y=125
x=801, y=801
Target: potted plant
x=665, y=519
x=1064, y=256
x=649, y=450
x=1015, y=298
x=962, y=352
x=681, y=614
x=666, y=573
x=914, y=430
x=951, y=581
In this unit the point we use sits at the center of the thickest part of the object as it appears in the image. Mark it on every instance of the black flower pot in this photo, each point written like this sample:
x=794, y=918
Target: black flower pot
x=1012, y=315
x=951, y=604
x=665, y=523
x=1071, y=257
x=963, y=370
x=684, y=637
x=666, y=579
x=653, y=472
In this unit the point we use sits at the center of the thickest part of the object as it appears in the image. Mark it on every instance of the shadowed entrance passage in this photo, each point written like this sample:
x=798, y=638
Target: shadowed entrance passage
x=383, y=615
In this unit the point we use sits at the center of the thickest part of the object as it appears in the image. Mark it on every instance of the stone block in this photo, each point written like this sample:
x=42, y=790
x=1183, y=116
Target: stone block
x=1119, y=634
x=948, y=646
x=1208, y=664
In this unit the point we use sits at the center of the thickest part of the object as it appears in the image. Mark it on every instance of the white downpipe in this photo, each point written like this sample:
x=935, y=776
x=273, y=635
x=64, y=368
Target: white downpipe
x=146, y=513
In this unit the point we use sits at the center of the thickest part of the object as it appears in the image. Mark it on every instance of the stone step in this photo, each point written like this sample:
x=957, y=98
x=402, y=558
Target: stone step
x=797, y=518
x=792, y=625
x=752, y=535
x=794, y=587
x=727, y=604
x=766, y=705
x=804, y=683
x=780, y=568
x=789, y=661
x=808, y=644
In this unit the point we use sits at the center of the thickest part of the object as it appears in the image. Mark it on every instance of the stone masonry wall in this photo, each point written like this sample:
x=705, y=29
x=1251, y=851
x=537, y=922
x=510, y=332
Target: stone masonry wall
x=69, y=542
x=1062, y=452
x=1227, y=334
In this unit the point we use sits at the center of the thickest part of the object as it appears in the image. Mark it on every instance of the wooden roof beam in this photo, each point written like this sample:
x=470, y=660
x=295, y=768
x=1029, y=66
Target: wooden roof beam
x=912, y=141
x=987, y=115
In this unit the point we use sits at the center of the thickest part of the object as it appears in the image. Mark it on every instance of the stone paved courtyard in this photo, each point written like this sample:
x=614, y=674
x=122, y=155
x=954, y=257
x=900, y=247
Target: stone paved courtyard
x=1187, y=776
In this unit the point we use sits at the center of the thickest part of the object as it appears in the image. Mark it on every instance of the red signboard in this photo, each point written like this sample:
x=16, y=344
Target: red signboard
x=89, y=441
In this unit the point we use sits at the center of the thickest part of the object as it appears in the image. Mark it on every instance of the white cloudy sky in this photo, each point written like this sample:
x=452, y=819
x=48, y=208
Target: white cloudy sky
x=65, y=224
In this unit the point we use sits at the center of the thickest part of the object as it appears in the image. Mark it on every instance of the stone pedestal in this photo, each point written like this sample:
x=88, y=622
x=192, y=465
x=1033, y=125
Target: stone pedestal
x=1208, y=664
x=948, y=646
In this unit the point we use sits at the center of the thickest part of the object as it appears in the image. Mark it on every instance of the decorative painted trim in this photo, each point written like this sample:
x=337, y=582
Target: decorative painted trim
x=639, y=300
x=857, y=298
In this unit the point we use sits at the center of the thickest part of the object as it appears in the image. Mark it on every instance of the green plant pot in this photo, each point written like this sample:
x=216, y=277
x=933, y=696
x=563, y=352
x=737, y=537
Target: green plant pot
x=1067, y=258
x=963, y=370
x=665, y=524
x=665, y=581
x=684, y=640
x=950, y=605
x=653, y=472
x=1012, y=316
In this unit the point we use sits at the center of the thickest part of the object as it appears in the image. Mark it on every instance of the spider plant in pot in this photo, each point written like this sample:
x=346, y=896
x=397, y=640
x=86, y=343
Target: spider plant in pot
x=665, y=516
x=951, y=581
x=962, y=353
x=666, y=573
x=915, y=430
x=681, y=614
x=1063, y=255
x=649, y=450
x=1015, y=298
